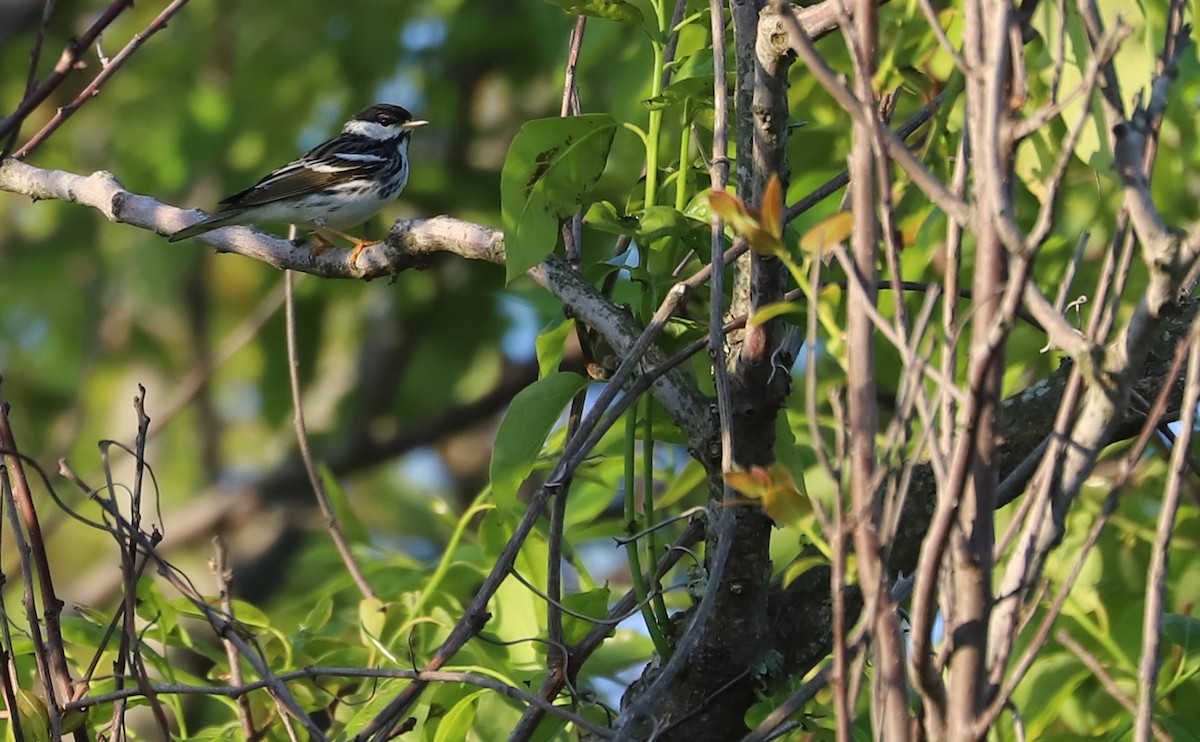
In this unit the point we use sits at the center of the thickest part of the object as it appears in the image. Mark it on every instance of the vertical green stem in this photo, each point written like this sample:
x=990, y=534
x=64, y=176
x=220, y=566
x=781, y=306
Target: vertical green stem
x=685, y=148
x=654, y=128
x=660, y=605
x=634, y=524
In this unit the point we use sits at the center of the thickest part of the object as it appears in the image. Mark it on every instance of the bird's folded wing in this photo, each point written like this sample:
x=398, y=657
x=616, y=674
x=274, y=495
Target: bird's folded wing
x=308, y=175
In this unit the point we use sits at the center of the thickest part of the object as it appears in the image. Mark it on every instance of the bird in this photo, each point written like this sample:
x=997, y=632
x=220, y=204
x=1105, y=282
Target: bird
x=339, y=183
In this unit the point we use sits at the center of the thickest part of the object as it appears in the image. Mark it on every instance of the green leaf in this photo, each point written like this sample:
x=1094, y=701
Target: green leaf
x=551, y=345
x=690, y=480
x=610, y=10
x=244, y=613
x=35, y=718
x=523, y=431
x=320, y=614
x=592, y=603
x=1183, y=631
x=693, y=82
x=664, y=221
x=603, y=216
x=551, y=164
x=800, y=566
x=457, y=723
x=352, y=528
x=372, y=615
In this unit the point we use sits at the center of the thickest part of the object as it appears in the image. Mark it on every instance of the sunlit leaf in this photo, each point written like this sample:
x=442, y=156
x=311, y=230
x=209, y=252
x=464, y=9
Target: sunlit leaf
x=800, y=566
x=551, y=345
x=745, y=221
x=609, y=10
x=772, y=208
x=781, y=496
x=771, y=311
x=828, y=232
x=686, y=482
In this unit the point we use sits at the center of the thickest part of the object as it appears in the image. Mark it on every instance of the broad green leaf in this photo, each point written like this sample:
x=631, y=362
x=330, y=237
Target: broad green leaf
x=623, y=649
x=456, y=724
x=609, y=10
x=375, y=698
x=1091, y=148
x=155, y=608
x=693, y=78
x=551, y=164
x=523, y=431
x=1184, y=725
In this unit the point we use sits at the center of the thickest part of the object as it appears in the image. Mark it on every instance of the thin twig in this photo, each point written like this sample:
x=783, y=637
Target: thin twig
x=57, y=675
x=1156, y=573
x=92, y=89
x=315, y=672
x=1128, y=466
x=222, y=625
x=68, y=61
x=310, y=465
x=224, y=575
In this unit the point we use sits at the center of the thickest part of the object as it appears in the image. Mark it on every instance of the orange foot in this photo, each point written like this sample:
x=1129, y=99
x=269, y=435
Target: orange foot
x=325, y=233
x=358, y=247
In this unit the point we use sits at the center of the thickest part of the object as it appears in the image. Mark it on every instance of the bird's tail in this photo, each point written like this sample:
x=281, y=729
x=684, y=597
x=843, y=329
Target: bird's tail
x=207, y=224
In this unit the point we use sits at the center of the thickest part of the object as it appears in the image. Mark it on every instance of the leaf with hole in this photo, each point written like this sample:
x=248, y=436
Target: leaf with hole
x=551, y=164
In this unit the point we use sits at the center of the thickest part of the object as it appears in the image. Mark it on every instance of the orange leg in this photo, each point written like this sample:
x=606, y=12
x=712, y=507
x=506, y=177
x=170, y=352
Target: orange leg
x=322, y=245
x=323, y=234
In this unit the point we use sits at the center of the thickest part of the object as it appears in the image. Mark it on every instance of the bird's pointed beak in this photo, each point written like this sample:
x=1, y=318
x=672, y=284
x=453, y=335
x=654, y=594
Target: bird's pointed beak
x=413, y=124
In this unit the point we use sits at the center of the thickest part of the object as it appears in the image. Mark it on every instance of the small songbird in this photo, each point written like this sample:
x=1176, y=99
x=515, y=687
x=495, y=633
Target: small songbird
x=339, y=183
